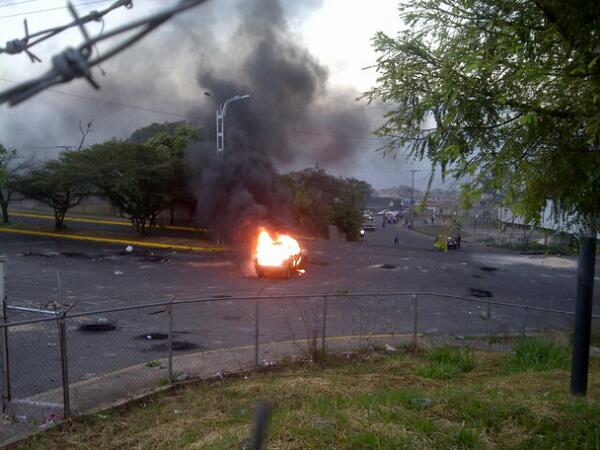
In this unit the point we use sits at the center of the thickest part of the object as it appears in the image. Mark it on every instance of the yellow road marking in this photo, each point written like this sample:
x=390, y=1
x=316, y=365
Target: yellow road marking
x=98, y=221
x=193, y=248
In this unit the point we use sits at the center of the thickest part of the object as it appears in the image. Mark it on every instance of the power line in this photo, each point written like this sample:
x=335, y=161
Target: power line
x=198, y=119
x=50, y=9
x=121, y=105
x=18, y=3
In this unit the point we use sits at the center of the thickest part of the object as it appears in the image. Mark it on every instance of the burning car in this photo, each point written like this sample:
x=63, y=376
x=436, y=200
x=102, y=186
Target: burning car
x=280, y=257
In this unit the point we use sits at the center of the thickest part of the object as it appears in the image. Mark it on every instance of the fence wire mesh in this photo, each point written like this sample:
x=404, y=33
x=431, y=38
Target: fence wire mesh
x=34, y=369
x=106, y=357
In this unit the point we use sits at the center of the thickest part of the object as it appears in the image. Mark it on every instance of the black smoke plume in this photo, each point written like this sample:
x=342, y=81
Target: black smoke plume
x=292, y=119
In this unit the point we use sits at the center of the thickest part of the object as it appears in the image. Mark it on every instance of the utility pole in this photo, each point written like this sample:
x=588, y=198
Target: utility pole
x=412, y=193
x=583, y=308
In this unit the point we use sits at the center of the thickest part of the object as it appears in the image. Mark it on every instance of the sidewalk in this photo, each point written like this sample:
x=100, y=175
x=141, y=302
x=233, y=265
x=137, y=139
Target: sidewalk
x=44, y=410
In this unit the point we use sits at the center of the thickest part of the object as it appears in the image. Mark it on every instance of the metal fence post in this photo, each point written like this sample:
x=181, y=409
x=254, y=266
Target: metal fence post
x=524, y=330
x=60, y=291
x=256, y=332
x=5, y=372
x=416, y=318
x=324, y=326
x=64, y=363
x=489, y=326
x=170, y=343
x=465, y=334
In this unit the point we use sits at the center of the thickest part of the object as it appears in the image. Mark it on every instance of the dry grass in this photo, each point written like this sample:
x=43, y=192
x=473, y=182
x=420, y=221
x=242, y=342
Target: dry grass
x=374, y=401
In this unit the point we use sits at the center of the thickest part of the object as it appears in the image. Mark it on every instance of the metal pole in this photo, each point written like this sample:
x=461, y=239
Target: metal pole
x=170, y=343
x=489, y=326
x=416, y=318
x=412, y=194
x=583, y=310
x=64, y=363
x=60, y=291
x=256, y=332
x=524, y=328
x=220, y=130
x=5, y=372
x=467, y=319
x=324, y=329
x=412, y=199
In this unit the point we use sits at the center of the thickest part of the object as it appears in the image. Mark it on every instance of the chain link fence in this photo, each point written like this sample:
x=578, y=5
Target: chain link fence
x=71, y=363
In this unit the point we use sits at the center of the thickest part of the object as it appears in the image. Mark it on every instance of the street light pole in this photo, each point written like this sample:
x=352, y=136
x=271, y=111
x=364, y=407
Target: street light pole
x=220, y=122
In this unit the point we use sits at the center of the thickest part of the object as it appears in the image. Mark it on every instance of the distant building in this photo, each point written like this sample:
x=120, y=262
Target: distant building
x=548, y=220
x=441, y=206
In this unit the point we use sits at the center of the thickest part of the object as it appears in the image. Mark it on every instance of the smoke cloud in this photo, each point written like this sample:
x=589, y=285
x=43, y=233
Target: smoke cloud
x=292, y=118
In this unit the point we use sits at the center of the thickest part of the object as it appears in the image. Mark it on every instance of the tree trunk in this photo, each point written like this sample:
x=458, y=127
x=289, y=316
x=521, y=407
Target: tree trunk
x=140, y=225
x=4, y=201
x=59, y=218
x=583, y=310
x=4, y=207
x=172, y=214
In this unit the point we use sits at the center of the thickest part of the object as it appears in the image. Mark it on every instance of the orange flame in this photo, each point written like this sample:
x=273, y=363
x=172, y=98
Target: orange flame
x=274, y=252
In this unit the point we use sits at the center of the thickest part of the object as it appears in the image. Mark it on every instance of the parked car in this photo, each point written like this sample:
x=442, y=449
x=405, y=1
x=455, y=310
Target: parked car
x=452, y=243
x=445, y=243
x=368, y=225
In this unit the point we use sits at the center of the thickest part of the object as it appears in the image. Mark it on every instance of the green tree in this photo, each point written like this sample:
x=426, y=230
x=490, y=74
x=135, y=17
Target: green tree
x=173, y=138
x=320, y=199
x=142, y=135
x=506, y=92
x=132, y=177
x=61, y=184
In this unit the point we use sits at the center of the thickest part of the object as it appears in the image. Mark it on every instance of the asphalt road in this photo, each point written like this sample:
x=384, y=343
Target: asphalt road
x=102, y=277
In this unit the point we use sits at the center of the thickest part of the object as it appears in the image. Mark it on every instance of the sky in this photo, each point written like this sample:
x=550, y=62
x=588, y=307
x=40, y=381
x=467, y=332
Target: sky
x=336, y=33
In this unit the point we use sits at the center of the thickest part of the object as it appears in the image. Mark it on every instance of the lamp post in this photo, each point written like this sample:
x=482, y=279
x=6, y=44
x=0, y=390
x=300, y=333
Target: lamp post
x=221, y=111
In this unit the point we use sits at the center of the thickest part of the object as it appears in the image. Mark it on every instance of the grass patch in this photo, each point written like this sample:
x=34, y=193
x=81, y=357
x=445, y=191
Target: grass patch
x=162, y=381
x=536, y=354
x=595, y=338
x=375, y=400
x=447, y=362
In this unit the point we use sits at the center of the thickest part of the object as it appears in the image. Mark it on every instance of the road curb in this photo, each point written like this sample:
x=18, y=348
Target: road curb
x=115, y=241
x=98, y=221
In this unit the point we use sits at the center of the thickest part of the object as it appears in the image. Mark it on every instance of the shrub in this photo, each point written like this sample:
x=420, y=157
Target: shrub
x=536, y=354
x=446, y=362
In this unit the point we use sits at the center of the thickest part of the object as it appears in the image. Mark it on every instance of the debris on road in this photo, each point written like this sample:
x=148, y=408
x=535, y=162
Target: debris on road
x=481, y=293
x=182, y=377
